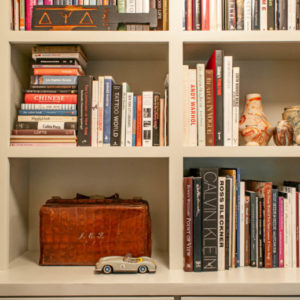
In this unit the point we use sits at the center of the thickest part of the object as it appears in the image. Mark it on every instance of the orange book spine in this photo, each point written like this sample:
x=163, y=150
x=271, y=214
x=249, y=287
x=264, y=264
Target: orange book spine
x=139, y=118
x=105, y=2
x=56, y=71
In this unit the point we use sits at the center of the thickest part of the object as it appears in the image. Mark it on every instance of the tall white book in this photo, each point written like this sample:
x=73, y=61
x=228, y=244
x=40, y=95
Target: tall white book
x=130, y=6
x=129, y=112
x=201, y=104
x=227, y=82
x=264, y=15
x=292, y=191
x=213, y=15
x=291, y=14
x=192, y=108
x=242, y=223
x=219, y=26
x=125, y=90
x=247, y=15
x=95, y=101
x=221, y=222
x=147, y=119
x=235, y=105
x=100, y=110
x=146, y=6
x=185, y=98
x=139, y=6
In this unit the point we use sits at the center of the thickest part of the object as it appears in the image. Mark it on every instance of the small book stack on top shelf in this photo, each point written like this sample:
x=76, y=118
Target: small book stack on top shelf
x=231, y=223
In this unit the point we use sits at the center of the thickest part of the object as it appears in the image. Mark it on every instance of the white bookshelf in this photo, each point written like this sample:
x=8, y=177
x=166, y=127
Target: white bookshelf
x=269, y=63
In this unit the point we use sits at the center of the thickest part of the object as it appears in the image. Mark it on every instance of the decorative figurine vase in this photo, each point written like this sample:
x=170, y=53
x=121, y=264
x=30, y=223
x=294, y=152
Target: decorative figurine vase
x=283, y=133
x=292, y=115
x=254, y=127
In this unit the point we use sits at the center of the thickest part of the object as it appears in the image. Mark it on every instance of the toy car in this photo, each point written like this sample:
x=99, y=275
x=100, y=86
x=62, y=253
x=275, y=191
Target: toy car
x=125, y=264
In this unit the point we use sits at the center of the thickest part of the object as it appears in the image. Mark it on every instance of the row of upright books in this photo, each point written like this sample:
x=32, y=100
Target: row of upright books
x=211, y=96
x=245, y=15
x=231, y=223
x=64, y=107
x=21, y=11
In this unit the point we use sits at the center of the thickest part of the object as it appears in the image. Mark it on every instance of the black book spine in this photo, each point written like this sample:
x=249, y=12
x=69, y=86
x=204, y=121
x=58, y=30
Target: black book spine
x=197, y=14
x=116, y=115
x=227, y=220
x=275, y=258
x=56, y=61
x=210, y=219
x=282, y=20
x=298, y=15
x=156, y=119
x=84, y=110
x=271, y=14
x=38, y=87
x=197, y=224
x=35, y=125
x=255, y=15
x=219, y=97
x=260, y=233
x=253, y=229
x=47, y=91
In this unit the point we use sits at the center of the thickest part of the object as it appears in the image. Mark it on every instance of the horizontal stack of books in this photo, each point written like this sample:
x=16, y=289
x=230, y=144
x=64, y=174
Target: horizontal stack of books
x=241, y=15
x=21, y=11
x=48, y=115
x=230, y=223
x=211, y=95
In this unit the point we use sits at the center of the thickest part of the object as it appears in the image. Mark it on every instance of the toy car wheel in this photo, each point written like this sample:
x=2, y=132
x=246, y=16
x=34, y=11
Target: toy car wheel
x=107, y=269
x=143, y=269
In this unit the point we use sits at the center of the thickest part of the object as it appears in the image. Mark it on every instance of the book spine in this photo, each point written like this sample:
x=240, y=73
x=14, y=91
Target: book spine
x=280, y=232
x=125, y=90
x=238, y=218
x=121, y=6
x=100, y=110
x=48, y=2
x=231, y=15
x=228, y=188
x=221, y=223
x=156, y=119
x=58, y=71
x=108, y=82
x=242, y=224
x=165, y=15
x=291, y=14
x=197, y=15
x=152, y=3
x=48, y=106
x=116, y=115
x=94, y=114
x=139, y=6
x=47, y=112
x=264, y=15
x=247, y=15
x=159, y=7
x=212, y=15
x=43, y=144
x=268, y=224
x=293, y=225
x=162, y=122
x=134, y=122
x=247, y=232
x=46, y=125
x=93, y=2
x=51, y=91
x=192, y=109
x=271, y=15
x=139, y=120
x=147, y=118
x=297, y=14
x=50, y=98
x=197, y=230
x=86, y=2
x=286, y=233
x=17, y=15
x=240, y=14
x=188, y=224
x=145, y=7
x=282, y=15
x=53, y=80
x=275, y=228
x=189, y=19
x=205, y=25
x=228, y=105
x=85, y=110
x=209, y=108
x=42, y=132
x=253, y=229
x=255, y=15
x=219, y=15
x=29, y=8
x=297, y=230
x=46, y=118
x=55, y=61
x=130, y=6
x=186, y=106
x=260, y=233
x=129, y=119
x=22, y=15
x=201, y=104
x=210, y=219
x=235, y=105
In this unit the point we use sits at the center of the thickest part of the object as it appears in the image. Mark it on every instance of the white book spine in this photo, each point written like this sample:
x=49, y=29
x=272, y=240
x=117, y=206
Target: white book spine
x=129, y=111
x=263, y=15
x=147, y=118
x=242, y=223
x=17, y=15
x=291, y=14
x=86, y=2
x=213, y=15
x=51, y=125
x=95, y=100
x=100, y=110
x=293, y=226
x=221, y=223
x=247, y=15
x=192, y=108
x=146, y=6
x=139, y=6
x=125, y=90
x=235, y=105
x=31, y=106
x=201, y=104
x=219, y=16
x=227, y=100
x=185, y=105
x=130, y=6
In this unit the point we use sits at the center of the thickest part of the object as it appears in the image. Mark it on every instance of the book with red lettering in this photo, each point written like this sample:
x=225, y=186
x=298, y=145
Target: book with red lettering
x=50, y=98
x=192, y=111
x=215, y=63
x=57, y=71
x=139, y=118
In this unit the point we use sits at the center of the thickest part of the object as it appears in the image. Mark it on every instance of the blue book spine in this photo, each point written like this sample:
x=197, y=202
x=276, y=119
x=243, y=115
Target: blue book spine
x=48, y=112
x=134, y=122
x=275, y=258
x=55, y=80
x=238, y=225
x=75, y=2
x=40, y=2
x=108, y=82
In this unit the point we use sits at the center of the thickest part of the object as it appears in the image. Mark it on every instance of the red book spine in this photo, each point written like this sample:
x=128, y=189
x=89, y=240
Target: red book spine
x=51, y=98
x=188, y=224
x=189, y=9
x=297, y=228
x=139, y=118
x=56, y=71
x=205, y=14
x=268, y=224
x=29, y=8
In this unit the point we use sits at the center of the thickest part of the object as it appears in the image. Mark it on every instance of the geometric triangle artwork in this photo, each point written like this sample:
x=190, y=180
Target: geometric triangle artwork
x=45, y=19
x=86, y=19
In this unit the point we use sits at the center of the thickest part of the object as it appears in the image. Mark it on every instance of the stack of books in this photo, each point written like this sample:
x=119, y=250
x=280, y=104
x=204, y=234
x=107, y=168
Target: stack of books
x=230, y=223
x=48, y=115
x=211, y=95
x=241, y=15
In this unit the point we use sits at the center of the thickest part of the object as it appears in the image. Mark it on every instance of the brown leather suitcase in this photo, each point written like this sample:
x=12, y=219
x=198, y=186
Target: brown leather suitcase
x=80, y=231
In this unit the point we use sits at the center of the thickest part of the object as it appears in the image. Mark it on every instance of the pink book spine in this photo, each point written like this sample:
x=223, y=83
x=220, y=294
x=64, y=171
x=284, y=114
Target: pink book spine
x=29, y=7
x=48, y=2
x=280, y=232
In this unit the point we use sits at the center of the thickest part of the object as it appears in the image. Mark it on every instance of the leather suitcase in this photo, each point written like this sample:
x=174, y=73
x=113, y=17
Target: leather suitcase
x=80, y=231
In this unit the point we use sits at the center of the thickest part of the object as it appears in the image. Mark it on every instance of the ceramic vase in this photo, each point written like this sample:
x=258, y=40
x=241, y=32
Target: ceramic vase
x=254, y=128
x=283, y=133
x=292, y=115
